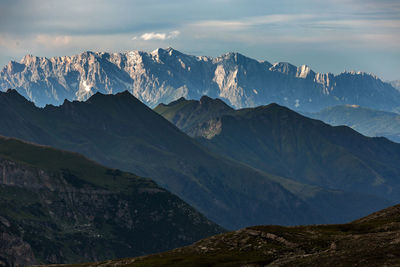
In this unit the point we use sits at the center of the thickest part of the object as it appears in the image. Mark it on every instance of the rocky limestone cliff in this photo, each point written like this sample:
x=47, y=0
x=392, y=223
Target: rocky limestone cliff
x=13, y=250
x=165, y=75
x=63, y=216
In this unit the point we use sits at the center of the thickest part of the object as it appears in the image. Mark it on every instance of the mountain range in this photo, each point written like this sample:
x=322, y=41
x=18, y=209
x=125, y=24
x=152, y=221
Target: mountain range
x=165, y=75
x=282, y=142
x=367, y=121
x=121, y=132
x=60, y=207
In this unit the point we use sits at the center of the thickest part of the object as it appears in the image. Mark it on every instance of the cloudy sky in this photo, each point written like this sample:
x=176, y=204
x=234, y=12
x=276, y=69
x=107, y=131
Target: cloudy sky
x=329, y=35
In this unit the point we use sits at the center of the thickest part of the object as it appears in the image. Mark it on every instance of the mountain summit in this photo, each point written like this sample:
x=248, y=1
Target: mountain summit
x=165, y=75
x=121, y=132
x=280, y=141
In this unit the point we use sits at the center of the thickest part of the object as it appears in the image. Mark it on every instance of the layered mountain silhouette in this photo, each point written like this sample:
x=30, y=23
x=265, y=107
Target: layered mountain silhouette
x=367, y=121
x=165, y=75
x=369, y=241
x=60, y=207
x=280, y=141
x=121, y=132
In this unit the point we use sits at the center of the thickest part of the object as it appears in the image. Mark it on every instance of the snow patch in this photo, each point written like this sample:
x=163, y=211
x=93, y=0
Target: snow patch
x=255, y=91
x=297, y=104
x=86, y=86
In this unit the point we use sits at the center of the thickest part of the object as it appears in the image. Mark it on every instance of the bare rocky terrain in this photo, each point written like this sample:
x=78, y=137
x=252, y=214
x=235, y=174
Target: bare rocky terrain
x=370, y=241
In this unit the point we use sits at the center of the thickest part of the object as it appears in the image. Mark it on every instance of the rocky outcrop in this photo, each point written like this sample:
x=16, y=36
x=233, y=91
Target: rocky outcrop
x=86, y=212
x=371, y=241
x=13, y=250
x=165, y=75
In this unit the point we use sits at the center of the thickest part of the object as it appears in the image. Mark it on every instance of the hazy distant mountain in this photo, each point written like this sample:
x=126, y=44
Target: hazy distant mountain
x=396, y=84
x=364, y=120
x=59, y=207
x=166, y=75
x=121, y=132
x=282, y=142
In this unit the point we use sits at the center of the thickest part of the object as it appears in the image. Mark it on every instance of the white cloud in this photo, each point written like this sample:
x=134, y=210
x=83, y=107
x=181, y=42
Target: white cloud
x=241, y=24
x=365, y=31
x=52, y=41
x=148, y=36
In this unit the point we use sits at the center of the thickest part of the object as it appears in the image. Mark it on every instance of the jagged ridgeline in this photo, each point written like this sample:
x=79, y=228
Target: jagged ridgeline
x=280, y=141
x=60, y=207
x=165, y=75
x=121, y=132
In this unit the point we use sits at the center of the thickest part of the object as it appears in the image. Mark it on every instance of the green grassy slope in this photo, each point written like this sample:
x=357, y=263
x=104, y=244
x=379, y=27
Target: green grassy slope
x=61, y=207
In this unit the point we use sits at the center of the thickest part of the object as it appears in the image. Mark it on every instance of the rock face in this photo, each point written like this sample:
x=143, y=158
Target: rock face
x=59, y=207
x=13, y=250
x=165, y=75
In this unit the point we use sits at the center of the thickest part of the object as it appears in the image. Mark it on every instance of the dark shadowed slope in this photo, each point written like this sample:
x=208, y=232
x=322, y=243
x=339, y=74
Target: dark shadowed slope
x=121, y=132
x=282, y=142
x=60, y=207
x=370, y=241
